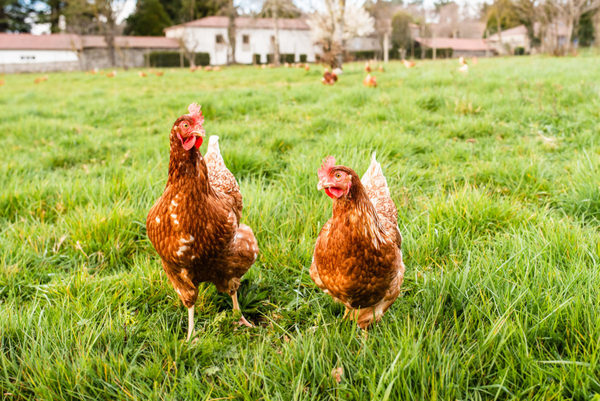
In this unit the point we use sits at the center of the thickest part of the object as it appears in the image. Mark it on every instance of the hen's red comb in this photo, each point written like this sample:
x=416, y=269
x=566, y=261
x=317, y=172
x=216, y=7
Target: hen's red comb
x=328, y=164
x=194, y=108
x=196, y=113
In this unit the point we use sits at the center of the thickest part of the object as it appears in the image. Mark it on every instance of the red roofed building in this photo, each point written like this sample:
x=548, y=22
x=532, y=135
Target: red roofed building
x=460, y=46
x=67, y=52
x=255, y=39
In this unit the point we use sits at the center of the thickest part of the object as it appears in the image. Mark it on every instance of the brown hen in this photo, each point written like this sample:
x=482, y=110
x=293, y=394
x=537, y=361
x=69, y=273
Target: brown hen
x=194, y=226
x=358, y=257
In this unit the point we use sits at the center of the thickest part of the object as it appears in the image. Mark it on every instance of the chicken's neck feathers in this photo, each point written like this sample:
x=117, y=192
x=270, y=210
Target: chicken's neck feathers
x=357, y=209
x=187, y=169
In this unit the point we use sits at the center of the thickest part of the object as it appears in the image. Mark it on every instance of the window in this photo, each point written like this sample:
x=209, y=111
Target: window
x=246, y=39
x=27, y=58
x=220, y=39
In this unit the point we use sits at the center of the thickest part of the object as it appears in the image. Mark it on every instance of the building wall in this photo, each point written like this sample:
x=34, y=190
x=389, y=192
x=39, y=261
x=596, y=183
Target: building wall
x=36, y=56
x=124, y=57
x=87, y=59
x=203, y=40
x=512, y=42
x=13, y=68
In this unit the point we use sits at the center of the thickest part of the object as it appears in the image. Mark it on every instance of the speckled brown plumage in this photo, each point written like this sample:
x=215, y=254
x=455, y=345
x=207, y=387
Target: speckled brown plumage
x=358, y=258
x=194, y=226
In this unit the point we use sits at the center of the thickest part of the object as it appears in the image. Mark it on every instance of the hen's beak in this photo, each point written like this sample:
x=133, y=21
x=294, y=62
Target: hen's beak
x=323, y=184
x=199, y=134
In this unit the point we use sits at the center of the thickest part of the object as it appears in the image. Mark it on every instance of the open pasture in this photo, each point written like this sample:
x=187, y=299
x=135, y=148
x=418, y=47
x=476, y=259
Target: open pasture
x=496, y=175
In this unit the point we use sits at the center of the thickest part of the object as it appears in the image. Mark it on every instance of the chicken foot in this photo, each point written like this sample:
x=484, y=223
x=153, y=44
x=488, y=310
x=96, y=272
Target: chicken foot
x=236, y=307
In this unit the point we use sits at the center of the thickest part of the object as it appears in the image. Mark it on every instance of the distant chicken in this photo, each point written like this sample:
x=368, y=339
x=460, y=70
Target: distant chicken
x=159, y=73
x=329, y=78
x=358, y=257
x=208, y=68
x=1, y=82
x=142, y=74
x=367, y=67
x=111, y=74
x=464, y=66
x=194, y=226
x=380, y=68
x=408, y=64
x=40, y=79
x=370, y=81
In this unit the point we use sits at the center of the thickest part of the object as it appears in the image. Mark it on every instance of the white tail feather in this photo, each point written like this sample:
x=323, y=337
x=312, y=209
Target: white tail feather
x=213, y=146
x=373, y=177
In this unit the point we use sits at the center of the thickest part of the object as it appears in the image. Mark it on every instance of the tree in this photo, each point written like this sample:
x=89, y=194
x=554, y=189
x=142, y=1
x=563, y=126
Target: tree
x=501, y=15
x=51, y=13
x=570, y=12
x=13, y=16
x=231, y=12
x=381, y=10
x=330, y=29
x=149, y=19
x=278, y=9
x=106, y=12
x=449, y=19
x=401, y=37
x=188, y=45
x=80, y=18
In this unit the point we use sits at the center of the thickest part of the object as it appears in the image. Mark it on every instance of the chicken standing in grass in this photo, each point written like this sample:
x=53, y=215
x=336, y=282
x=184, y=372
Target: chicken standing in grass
x=329, y=78
x=194, y=226
x=408, y=64
x=358, y=257
x=370, y=81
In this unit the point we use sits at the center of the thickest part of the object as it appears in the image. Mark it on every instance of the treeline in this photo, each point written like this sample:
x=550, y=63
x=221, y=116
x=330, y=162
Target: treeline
x=149, y=18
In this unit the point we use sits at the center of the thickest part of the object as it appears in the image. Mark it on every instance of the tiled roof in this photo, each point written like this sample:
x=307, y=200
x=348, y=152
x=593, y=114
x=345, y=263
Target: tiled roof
x=246, y=23
x=518, y=30
x=454, y=43
x=22, y=41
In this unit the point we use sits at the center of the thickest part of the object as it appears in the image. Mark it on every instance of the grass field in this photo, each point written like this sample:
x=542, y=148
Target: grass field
x=496, y=176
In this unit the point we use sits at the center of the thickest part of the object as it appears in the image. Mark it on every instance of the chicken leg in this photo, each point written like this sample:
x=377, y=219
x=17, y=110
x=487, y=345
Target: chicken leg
x=236, y=307
x=190, y=322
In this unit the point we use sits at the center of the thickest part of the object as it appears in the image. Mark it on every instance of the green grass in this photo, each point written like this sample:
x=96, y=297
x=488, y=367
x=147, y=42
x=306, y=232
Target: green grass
x=501, y=298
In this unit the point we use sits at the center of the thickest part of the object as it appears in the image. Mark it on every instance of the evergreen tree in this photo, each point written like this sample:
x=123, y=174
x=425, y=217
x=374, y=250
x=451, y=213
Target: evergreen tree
x=180, y=11
x=51, y=13
x=401, y=37
x=149, y=19
x=13, y=16
x=585, y=30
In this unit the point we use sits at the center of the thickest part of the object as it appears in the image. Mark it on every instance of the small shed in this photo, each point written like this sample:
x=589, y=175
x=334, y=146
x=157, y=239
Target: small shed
x=68, y=52
x=459, y=46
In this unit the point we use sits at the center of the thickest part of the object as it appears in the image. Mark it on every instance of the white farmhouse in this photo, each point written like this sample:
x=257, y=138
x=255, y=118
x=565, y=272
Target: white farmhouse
x=510, y=39
x=255, y=39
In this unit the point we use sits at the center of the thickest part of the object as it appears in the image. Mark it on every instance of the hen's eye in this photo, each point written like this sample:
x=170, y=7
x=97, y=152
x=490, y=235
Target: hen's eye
x=338, y=175
x=185, y=125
